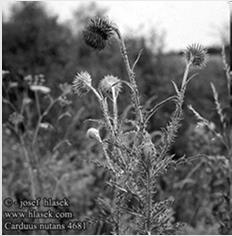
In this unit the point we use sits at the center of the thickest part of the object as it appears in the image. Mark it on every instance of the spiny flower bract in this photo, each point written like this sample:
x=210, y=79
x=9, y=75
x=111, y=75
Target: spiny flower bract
x=97, y=32
x=109, y=82
x=197, y=54
x=82, y=83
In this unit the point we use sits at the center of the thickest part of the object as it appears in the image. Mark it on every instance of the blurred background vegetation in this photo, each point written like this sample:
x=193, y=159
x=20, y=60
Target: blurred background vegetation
x=34, y=42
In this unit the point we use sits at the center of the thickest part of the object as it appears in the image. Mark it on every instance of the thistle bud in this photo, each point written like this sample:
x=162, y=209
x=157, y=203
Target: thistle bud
x=148, y=147
x=196, y=54
x=98, y=32
x=82, y=83
x=109, y=82
x=93, y=133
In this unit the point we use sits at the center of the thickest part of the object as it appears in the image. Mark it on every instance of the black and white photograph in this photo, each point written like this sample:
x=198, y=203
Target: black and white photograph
x=116, y=117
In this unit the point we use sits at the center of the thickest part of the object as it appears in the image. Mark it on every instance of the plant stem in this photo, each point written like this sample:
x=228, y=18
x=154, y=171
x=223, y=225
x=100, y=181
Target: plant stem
x=30, y=169
x=116, y=204
x=37, y=130
x=105, y=111
x=131, y=75
x=107, y=157
x=148, y=223
x=177, y=114
x=229, y=193
x=104, y=108
x=185, y=77
x=52, y=103
x=37, y=103
x=115, y=110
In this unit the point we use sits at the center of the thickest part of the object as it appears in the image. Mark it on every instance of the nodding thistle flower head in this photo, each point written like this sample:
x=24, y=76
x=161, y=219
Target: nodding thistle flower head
x=82, y=83
x=196, y=54
x=109, y=82
x=93, y=133
x=98, y=32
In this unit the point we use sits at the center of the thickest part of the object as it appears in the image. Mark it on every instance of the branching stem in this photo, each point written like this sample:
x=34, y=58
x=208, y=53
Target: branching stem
x=131, y=75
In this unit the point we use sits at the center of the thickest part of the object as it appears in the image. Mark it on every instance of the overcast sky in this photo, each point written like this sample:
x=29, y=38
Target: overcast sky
x=184, y=22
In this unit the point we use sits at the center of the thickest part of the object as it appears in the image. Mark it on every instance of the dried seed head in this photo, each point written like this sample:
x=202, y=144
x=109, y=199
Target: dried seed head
x=36, y=80
x=94, y=134
x=196, y=54
x=82, y=83
x=98, y=32
x=109, y=82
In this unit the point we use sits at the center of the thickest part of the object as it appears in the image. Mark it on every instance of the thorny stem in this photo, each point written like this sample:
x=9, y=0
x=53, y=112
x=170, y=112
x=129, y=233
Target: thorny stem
x=185, y=75
x=229, y=180
x=148, y=190
x=131, y=75
x=107, y=157
x=121, y=157
x=116, y=210
x=115, y=109
x=227, y=71
x=177, y=113
x=104, y=109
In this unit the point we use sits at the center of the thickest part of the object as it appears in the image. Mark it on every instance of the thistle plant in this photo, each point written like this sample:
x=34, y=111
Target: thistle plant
x=133, y=161
x=221, y=164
